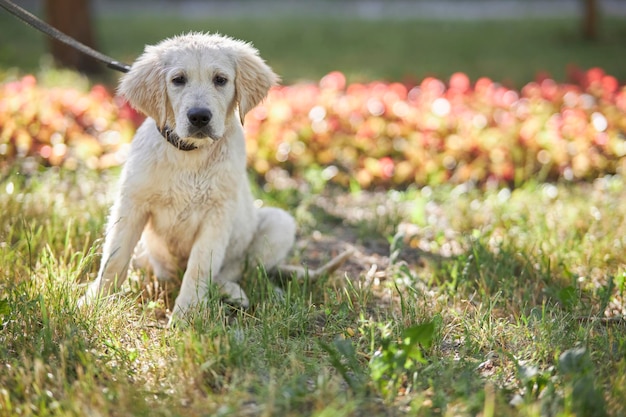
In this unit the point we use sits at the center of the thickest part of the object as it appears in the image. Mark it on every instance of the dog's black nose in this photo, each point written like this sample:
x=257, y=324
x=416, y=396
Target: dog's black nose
x=199, y=116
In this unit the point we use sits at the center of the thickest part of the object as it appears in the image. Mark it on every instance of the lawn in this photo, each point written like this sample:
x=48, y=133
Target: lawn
x=456, y=302
x=459, y=299
x=511, y=51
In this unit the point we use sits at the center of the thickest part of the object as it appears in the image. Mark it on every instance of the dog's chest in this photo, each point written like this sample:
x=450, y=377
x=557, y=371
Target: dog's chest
x=185, y=203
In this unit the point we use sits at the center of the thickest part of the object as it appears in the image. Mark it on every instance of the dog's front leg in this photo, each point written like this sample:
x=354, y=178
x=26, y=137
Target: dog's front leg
x=126, y=223
x=203, y=267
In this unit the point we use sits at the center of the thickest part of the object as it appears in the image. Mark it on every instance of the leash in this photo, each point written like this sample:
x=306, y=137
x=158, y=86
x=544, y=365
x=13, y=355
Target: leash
x=42, y=26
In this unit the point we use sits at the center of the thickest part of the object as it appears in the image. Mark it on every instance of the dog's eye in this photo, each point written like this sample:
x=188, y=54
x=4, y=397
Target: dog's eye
x=179, y=80
x=219, y=81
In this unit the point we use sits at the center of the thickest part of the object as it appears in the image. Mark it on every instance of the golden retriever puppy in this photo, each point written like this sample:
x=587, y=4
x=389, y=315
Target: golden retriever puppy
x=184, y=202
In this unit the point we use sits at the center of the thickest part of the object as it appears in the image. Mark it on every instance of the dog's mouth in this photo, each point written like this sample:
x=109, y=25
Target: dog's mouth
x=203, y=133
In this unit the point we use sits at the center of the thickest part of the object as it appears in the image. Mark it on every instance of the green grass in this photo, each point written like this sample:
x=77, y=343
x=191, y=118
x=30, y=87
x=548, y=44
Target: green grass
x=496, y=302
x=512, y=51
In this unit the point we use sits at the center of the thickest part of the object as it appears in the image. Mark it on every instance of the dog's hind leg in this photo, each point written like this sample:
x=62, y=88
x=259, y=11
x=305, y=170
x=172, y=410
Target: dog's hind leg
x=274, y=237
x=272, y=240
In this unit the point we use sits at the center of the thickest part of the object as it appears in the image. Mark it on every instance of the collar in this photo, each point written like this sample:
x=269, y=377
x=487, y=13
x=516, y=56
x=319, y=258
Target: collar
x=175, y=140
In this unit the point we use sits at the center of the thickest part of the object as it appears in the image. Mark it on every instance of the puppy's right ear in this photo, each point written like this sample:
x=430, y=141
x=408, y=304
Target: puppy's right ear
x=144, y=86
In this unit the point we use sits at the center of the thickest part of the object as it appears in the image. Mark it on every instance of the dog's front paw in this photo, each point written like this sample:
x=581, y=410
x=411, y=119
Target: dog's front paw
x=232, y=292
x=90, y=296
x=235, y=295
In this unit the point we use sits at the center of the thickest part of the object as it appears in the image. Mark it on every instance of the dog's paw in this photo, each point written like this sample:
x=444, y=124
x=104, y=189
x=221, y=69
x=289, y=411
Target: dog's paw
x=177, y=321
x=82, y=302
x=235, y=295
x=89, y=297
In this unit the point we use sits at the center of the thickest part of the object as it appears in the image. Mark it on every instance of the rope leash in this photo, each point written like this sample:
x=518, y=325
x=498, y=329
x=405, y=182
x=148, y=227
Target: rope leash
x=42, y=26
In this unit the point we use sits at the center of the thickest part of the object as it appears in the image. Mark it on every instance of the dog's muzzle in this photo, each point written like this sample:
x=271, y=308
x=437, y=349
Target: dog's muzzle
x=199, y=123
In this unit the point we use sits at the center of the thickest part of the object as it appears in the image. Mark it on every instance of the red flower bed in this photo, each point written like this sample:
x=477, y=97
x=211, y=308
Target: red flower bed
x=62, y=127
x=394, y=134
x=387, y=134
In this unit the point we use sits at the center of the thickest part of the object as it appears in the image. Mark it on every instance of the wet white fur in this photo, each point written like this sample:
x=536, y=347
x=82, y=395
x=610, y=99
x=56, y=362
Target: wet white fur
x=192, y=210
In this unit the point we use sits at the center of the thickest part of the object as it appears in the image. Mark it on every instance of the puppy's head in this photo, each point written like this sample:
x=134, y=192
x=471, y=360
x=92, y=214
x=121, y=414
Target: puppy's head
x=194, y=83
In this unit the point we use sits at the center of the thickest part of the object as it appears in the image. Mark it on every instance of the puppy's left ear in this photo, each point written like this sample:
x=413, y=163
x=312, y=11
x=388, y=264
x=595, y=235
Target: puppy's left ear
x=253, y=80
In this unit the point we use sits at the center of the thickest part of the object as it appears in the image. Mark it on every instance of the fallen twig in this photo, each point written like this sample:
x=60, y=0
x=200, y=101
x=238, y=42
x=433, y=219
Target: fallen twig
x=604, y=320
x=300, y=272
